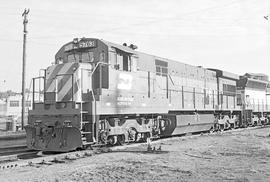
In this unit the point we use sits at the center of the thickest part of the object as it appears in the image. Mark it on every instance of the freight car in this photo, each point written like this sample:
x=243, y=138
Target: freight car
x=100, y=92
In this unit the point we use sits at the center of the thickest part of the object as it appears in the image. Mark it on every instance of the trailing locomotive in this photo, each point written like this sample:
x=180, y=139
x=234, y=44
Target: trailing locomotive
x=254, y=90
x=101, y=92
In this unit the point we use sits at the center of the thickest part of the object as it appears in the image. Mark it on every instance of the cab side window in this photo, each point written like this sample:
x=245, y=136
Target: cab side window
x=126, y=63
x=134, y=62
x=123, y=61
x=119, y=61
x=112, y=58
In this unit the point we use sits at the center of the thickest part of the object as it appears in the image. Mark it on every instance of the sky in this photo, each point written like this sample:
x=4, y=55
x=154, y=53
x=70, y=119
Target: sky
x=230, y=35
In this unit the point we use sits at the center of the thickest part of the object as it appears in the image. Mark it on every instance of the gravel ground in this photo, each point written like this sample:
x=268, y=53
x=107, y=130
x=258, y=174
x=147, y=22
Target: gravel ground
x=242, y=155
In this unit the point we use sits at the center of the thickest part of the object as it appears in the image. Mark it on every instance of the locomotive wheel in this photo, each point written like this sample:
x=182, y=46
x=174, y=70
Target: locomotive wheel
x=211, y=130
x=145, y=136
x=103, y=136
x=112, y=140
x=121, y=139
x=132, y=134
x=221, y=127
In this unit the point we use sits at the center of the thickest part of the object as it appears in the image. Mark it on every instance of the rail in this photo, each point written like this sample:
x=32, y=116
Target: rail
x=14, y=153
x=11, y=150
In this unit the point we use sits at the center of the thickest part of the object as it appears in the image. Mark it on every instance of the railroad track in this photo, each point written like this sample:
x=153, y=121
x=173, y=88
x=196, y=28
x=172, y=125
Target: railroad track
x=14, y=153
x=12, y=149
x=21, y=153
x=10, y=157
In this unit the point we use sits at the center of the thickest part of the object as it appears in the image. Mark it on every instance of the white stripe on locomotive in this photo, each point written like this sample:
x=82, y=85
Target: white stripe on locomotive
x=61, y=93
x=63, y=70
x=69, y=85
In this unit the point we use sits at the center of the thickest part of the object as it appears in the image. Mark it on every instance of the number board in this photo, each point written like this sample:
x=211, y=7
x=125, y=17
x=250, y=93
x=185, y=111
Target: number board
x=87, y=44
x=80, y=45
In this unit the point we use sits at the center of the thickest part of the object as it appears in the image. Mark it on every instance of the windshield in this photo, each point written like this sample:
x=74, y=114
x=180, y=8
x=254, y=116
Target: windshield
x=81, y=57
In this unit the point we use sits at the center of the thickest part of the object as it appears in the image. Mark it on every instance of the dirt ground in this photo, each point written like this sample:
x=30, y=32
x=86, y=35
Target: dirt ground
x=239, y=155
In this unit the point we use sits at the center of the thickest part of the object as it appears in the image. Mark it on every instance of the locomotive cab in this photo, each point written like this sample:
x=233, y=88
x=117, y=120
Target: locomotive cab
x=61, y=118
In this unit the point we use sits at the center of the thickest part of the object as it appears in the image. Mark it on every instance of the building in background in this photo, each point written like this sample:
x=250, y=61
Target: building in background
x=11, y=108
x=3, y=108
x=14, y=105
x=3, y=111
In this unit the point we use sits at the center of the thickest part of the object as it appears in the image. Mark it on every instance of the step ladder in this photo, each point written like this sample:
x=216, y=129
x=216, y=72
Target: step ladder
x=86, y=126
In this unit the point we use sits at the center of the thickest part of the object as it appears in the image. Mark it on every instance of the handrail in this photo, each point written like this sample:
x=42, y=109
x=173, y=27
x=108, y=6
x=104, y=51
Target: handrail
x=63, y=74
x=98, y=65
x=72, y=80
x=94, y=113
x=92, y=91
x=33, y=94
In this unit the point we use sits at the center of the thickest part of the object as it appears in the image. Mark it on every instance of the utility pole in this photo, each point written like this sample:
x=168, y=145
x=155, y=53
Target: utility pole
x=25, y=21
x=267, y=17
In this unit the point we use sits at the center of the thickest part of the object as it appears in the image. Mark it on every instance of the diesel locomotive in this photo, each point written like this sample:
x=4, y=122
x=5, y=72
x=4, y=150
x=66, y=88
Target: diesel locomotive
x=98, y=92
